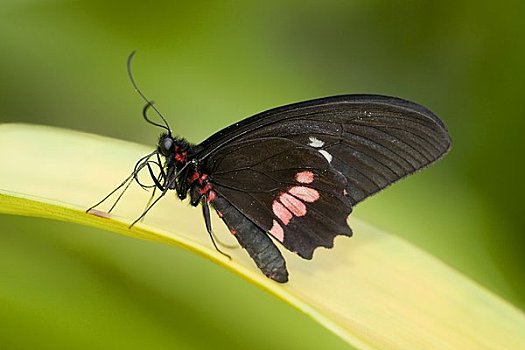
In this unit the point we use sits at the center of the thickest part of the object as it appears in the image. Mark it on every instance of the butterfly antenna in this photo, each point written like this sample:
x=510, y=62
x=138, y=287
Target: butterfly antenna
x=149, y=103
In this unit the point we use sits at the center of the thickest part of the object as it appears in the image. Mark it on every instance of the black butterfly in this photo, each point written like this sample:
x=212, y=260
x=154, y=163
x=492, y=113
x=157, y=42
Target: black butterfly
x=292, y=174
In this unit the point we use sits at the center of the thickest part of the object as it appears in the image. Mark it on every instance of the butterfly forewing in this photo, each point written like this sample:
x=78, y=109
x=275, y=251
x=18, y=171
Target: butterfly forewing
x=372, y=140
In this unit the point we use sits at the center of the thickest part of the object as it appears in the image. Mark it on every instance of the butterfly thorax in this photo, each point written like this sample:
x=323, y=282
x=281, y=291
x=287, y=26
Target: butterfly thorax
x=183, y=172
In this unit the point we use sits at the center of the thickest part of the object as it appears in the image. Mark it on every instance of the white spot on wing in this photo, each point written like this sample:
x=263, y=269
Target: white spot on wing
x=314, y=142
x=327, y=155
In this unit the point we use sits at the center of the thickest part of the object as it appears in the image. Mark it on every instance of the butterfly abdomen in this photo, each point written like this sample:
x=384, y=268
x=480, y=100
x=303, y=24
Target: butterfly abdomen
x=252, y=238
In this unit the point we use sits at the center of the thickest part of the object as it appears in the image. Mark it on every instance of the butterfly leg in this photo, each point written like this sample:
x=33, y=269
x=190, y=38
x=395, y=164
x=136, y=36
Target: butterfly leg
x=257, y=243
x=207, y=221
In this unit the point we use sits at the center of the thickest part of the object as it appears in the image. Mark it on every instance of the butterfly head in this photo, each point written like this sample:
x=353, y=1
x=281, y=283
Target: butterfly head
x=174, y=148
x=166, y=144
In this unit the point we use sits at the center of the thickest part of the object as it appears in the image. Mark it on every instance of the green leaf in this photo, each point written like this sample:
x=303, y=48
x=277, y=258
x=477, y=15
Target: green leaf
x=373, y=290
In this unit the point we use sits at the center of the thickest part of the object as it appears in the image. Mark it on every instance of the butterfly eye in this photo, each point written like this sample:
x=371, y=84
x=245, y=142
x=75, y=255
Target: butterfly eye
x=165, y=145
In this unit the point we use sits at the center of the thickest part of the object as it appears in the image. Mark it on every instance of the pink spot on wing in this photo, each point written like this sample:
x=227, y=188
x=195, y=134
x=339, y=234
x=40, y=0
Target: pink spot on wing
x=306, y=194
x=304, y=177
x=277, y=231
x=293, y=204
x=281, y=212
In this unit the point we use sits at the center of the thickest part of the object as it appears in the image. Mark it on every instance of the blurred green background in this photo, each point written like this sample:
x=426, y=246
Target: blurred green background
x=210, y=63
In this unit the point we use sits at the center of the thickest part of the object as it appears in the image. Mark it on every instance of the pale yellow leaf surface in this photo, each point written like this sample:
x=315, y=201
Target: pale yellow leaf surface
x=374, y=290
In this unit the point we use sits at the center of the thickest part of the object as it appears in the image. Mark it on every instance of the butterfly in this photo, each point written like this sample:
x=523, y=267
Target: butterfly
x=291, y=175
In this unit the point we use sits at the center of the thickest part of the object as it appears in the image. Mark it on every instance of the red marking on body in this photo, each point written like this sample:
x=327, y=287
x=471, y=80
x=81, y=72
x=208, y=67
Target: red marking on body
x=205, y=189
x=277, y=231
x=293, y=204
x=194, y=177
x=179, y=157
x=233, y=232
x=211, y=196
x=281, y=212
x=304, y=193
x=203, y=178
x=219, y=213
x=304, y=177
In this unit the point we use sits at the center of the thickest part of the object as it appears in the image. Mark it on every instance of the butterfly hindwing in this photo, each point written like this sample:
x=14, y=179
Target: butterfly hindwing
x=288, y=190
